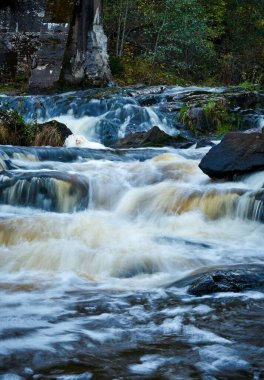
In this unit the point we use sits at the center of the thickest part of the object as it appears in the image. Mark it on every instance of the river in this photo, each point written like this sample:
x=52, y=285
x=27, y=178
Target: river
x=94, y=242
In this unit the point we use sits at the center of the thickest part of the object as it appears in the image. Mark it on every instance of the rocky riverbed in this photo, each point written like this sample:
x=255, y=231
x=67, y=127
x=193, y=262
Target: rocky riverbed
x=132, y=263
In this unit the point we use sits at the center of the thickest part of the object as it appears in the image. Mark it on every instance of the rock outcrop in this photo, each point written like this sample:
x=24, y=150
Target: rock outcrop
x=237, y=154
x=53, y=42
x=153, y=138
x=20, y=24
x=207, y=114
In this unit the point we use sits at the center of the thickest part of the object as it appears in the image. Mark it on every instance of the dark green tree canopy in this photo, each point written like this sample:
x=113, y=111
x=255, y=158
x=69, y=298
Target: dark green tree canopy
x=197, y=40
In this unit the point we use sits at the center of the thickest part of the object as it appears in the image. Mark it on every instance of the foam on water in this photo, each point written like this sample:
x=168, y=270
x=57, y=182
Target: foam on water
x=148, y=211
x=85, y=287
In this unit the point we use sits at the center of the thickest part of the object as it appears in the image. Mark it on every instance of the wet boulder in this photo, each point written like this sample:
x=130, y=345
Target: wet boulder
x=237, y=154
x=197, y=118
x=51, y=133
x=232, y=280
x=153, y=138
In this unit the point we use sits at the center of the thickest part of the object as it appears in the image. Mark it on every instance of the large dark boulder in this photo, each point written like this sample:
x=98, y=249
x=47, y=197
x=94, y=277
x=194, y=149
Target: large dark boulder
x=153, y=138
x=232, y=280
x=237, y=154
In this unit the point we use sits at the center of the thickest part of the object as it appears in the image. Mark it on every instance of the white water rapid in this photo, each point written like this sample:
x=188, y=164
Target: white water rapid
x=93, y=243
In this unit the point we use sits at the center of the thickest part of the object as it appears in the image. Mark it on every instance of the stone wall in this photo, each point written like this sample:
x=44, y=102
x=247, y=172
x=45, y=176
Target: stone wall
x=52, y=41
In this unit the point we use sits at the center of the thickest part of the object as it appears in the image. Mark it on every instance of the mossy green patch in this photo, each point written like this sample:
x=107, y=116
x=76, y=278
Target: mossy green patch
x=215, y=118
x=183, y=113
x=223, y=129
x=14, y=130
x=248, y=86
x=216, y=112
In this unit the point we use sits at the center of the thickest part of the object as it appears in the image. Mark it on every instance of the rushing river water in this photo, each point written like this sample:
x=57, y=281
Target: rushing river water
x=94, y=242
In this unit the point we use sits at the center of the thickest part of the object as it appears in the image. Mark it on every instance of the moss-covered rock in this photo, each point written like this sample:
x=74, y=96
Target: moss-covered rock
x=210, y=116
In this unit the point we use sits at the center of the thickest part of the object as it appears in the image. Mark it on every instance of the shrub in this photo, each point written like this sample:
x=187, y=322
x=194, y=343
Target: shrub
x=48, y=136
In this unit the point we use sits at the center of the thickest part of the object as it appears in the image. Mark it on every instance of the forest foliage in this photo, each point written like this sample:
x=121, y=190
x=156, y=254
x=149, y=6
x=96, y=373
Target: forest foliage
x=188, y=41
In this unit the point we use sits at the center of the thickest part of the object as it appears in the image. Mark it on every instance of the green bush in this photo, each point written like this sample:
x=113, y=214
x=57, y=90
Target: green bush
x=116, y=65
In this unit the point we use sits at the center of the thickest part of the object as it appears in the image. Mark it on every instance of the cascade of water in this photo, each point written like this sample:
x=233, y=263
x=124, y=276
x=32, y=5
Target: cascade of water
x=113, y=116
x=91, y=241
x=49, y=191
x=165, y=184
x=251, y=204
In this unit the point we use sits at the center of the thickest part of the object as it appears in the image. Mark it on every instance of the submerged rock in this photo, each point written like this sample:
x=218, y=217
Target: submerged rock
x=233, y=280
x=237, y=154
x=153, y=138
x=178, y=240
x=46, y=190
x=5, y=162
x=40, y=153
